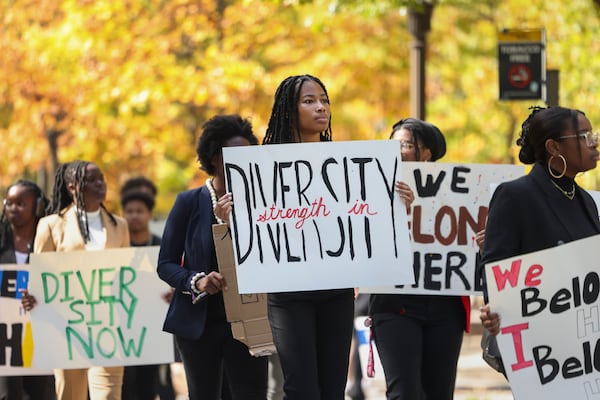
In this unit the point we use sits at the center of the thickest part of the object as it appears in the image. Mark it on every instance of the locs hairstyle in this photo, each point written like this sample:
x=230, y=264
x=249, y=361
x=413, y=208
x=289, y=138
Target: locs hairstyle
x=39, y=210
x=74, y=173
x=284, y=121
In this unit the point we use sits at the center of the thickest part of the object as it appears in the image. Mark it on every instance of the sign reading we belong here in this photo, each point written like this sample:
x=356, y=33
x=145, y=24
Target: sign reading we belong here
x=548, y=302
x=98, y=308
x=311, y=216
x=450, y=207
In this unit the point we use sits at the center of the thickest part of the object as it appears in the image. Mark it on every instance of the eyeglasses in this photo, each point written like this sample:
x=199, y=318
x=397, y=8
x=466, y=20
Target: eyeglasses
x=591, y=139
x=406, y=145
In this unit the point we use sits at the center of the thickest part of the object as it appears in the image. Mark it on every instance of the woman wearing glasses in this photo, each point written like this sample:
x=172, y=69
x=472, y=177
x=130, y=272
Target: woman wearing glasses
x=545, y=208
x=419, y=336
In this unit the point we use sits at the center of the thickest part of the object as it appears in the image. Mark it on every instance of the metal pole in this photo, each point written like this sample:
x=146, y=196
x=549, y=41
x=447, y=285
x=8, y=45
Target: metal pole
x=419, y=23
x=552, y=87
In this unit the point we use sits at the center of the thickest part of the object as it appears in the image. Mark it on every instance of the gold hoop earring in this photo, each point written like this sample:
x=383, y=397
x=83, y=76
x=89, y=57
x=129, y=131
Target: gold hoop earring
x=564, y=167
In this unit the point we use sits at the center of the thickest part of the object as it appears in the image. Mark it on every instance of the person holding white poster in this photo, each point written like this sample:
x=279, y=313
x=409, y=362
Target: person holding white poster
x=23, y=206
x=78, y=220
x=419, y=337
x=545, y=208
x=311, y=330
x=187, y=262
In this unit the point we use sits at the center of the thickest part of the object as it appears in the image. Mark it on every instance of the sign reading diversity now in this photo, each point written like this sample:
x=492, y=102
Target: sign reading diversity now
x=450, y=207
x=100, y=308
x=317, y=215
x=550, y=320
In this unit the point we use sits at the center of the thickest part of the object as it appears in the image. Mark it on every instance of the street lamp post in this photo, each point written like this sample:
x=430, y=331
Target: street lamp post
x=419, y=24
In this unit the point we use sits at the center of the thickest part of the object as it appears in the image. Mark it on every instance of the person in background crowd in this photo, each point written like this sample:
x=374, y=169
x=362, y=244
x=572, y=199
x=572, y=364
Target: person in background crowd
x=139, y=184
x=419, y=336
x=196, y=314
x=137, y=210
x=23, y=206
x=545, y=208
x=78, y=220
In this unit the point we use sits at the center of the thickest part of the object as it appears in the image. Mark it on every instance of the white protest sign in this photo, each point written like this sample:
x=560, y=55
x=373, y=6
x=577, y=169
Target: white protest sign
x=550, y=320
x=311, y=216
x=450, y=207
x=16, y=341
x=98, y=308
x=596, y=196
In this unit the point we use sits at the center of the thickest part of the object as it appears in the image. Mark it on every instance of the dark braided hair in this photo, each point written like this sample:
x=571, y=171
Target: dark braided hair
x=284, y=123
x=544, y=123
x=39, y=207
x=73, y=173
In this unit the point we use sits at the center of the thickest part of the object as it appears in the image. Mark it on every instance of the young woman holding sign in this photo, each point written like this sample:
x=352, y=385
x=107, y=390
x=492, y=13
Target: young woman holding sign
x=24, y=204
x=419, y=336
x=545, y=208
x=78, y=220
x=187, y=262
x=312, y=329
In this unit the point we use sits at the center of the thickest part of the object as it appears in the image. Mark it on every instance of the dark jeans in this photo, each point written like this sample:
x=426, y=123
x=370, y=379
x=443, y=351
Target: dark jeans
x=37, y=387
x=205, y=359
x=312, y=333
x=419, y=348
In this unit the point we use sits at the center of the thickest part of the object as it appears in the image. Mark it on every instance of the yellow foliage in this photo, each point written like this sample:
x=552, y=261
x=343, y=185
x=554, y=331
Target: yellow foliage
x=128, y=84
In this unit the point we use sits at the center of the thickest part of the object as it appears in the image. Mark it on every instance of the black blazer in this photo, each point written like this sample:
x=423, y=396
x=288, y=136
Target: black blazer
x=525, y=215
x=188, y=235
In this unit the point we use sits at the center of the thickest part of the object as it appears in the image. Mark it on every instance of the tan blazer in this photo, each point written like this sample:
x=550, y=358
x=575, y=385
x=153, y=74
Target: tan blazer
x=56, y=233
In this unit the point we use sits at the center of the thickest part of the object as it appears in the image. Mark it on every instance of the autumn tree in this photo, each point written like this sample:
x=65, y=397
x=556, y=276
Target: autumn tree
x=128, y=84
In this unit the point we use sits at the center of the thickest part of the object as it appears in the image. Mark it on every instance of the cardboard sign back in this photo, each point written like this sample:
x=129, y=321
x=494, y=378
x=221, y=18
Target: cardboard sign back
x=247, y=313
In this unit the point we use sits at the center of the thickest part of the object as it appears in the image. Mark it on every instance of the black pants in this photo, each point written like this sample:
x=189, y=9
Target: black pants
x=312, y=333
x=205, y=359
x=36, y=387
x=419, y=347
x=140, y=382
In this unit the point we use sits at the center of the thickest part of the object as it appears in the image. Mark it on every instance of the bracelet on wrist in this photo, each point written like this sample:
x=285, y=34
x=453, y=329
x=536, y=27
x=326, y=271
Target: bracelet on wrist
x=195, y=278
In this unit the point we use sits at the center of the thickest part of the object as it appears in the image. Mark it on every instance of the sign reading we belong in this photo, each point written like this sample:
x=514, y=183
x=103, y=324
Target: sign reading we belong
x=16, y=341
x=98, y=308
x=550, y=320
x=450, y=207
x=311, y=216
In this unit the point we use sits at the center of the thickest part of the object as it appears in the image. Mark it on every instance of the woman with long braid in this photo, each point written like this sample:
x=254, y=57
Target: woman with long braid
x=78, y=220
x=24, y=205
x=312, y=330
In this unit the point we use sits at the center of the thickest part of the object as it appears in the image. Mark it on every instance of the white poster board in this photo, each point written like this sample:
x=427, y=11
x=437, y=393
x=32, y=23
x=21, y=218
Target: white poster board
x=550, y=320
x=16, y=342
x=311, y=216
x=98, y=308
x=450, y=207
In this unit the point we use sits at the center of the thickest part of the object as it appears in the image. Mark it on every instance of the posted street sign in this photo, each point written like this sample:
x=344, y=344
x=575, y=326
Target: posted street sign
x=522, y=64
